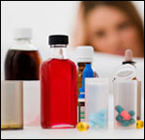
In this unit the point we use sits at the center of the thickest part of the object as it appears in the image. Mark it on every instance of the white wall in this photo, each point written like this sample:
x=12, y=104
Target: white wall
x=47, y=17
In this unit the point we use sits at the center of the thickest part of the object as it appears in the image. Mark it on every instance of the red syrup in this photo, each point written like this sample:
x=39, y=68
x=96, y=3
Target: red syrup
x=58, y=94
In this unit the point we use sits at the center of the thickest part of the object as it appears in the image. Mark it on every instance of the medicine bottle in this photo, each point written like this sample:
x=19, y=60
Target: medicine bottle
x=84, y=56
x=58, y=87
x=22, y=59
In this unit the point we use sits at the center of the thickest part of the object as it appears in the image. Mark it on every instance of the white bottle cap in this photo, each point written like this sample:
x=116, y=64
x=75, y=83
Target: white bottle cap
x=23, y=33
x=125, y=72
x=85, y=53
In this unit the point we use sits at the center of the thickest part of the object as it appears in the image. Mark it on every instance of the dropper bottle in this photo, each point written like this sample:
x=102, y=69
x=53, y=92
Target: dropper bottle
x=129, y=60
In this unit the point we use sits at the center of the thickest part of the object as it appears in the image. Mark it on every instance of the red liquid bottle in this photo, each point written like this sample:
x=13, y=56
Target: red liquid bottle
x=58, y=88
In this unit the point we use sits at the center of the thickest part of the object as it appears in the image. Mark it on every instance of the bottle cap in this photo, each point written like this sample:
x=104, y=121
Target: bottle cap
x=58, y=39
x=125, y=72
x=84, y=54
x=23, y=33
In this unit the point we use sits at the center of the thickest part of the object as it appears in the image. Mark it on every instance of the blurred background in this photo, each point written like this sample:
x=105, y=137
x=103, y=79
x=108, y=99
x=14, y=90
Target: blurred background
x=53, y=17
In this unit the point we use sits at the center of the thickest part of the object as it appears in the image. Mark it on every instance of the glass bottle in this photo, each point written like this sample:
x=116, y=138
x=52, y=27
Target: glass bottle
x=58, y=87
x=23, y=59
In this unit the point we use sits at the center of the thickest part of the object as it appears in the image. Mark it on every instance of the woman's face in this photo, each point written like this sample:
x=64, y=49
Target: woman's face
x=110, y=31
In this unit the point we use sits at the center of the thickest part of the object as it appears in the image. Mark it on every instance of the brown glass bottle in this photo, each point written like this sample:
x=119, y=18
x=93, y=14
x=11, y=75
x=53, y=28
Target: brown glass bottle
x=22, y=65
x=81, y=67
x=23, y=59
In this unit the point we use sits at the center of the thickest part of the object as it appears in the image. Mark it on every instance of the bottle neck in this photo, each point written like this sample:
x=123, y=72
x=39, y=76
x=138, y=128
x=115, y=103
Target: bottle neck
x=23, y=45
x=81, y=65
x=58, y=51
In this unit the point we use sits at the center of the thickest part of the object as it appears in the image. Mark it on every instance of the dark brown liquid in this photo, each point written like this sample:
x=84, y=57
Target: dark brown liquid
x=22, y=65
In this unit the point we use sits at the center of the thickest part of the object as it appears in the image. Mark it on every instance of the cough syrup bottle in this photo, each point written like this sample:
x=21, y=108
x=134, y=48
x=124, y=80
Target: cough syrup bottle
x=58, y=87
x=22, y=59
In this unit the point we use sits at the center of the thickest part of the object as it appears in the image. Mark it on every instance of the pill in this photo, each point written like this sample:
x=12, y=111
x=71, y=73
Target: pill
x=93, y=116
x=103, y=112
x=126, y=116
x=92, y=124
x=82, y=127
x=132, y=113
x=125, y=123
x=140, y=124
x=119, y=118
x=119, y=109
x=97, y=120
x=132, y=121
x=119, y=123
x=103, y=124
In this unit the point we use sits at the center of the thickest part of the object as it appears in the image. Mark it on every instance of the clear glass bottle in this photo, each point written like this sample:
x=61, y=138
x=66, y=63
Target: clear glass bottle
x=58, y=87
x=23, y=59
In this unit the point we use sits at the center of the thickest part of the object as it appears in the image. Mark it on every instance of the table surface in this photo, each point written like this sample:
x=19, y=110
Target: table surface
x=38, y=133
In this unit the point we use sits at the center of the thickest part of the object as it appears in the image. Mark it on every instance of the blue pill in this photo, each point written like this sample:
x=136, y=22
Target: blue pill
x=92, y=124
x=94, y=116
x=119, y=118
x=119, y=109
x=103, y=124
x=103, y=112
x=125, y=123
x=132, y=121
x=132, y=113
x=97, y=120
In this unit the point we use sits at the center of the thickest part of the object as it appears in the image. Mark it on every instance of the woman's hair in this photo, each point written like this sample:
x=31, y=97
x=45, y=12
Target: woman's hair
x=87, y=6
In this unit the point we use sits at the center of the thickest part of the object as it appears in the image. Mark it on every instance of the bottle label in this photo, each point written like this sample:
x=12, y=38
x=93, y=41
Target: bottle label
x=82, y=114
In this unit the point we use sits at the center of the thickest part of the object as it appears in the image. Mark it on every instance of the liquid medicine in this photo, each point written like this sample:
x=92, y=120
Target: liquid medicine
x=58, y=87
x=23, y=59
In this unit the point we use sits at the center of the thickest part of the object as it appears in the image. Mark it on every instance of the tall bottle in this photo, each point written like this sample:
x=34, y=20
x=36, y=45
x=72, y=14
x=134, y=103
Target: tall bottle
x=23, y=59
x=58, y=87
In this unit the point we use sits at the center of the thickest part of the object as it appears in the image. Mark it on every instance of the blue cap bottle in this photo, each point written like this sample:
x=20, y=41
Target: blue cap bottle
x=87, y=73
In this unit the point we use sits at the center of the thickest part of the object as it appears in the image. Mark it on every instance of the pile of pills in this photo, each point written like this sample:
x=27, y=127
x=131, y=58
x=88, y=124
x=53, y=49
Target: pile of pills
x=125, y=118
x=98, y=119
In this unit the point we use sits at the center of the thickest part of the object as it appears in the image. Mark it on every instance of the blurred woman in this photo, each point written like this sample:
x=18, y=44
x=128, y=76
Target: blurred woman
x=110, y=27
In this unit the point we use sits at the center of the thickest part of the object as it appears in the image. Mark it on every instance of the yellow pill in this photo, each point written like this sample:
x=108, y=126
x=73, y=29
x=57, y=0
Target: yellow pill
x=140, y=124
x=82, y=126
